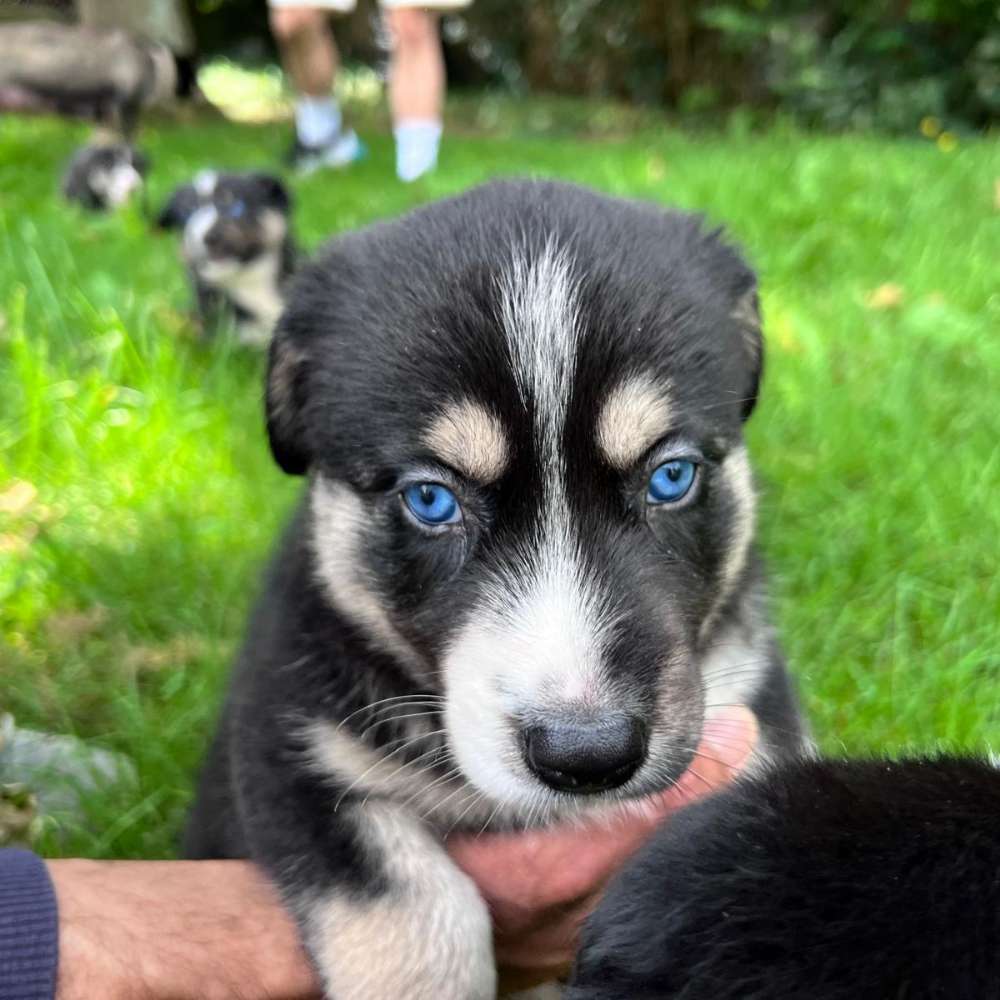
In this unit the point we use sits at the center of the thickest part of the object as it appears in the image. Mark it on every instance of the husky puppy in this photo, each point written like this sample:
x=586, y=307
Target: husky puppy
x=522, y=572
x=237, y=246
x=103, y=176
x=820, y=880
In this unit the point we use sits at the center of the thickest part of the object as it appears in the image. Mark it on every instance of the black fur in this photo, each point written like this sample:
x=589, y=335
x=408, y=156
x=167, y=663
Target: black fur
x=822, y=880
x=384, y=328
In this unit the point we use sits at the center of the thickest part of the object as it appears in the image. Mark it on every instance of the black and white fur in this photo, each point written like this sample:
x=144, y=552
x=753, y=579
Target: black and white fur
x=104, y=176
x=820, y=880
x=539, y=349
x=237, y=245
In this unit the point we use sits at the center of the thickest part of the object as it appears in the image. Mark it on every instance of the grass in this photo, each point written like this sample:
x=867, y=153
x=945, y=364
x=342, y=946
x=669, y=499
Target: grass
x=138, y=499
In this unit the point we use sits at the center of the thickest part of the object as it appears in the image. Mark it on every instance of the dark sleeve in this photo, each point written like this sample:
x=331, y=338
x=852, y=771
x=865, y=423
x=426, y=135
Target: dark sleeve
x=29, y=929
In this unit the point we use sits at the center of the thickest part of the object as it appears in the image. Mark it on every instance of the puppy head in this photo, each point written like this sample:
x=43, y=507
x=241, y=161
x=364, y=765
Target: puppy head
x=521, y=411
x=228, y=220
x=105, y=176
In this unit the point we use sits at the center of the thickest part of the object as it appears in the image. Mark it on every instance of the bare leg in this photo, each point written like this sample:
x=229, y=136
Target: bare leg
x=308, y=51
x=416, y=89
x=416, y=72
x=309, y=55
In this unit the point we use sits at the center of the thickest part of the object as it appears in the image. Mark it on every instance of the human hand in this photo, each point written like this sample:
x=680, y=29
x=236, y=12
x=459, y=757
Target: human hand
x=540, y=886
x=207, y=929
x=188, y=930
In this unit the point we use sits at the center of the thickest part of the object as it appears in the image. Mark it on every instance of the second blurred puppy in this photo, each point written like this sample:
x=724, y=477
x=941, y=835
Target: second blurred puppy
x=103, y=176
x=238, y=248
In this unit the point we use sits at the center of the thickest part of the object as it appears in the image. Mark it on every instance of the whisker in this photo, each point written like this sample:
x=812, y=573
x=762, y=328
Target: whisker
x=717, y=760
x=396, y=718
x=426, y=767
x=421, y=696
x=708, y=784
x=477, y=797
x=381, y=760
x=448, y=775
x=489, y=819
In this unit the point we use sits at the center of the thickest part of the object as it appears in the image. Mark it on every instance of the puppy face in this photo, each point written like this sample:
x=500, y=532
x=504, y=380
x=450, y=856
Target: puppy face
x=521, y=413
x=227, y=221
x=105, y=176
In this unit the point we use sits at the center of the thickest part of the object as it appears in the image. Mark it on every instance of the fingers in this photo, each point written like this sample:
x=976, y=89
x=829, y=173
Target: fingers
x=728, y=741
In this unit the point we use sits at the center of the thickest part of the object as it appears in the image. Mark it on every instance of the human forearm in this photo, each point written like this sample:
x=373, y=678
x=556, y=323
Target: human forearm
x=200, y=929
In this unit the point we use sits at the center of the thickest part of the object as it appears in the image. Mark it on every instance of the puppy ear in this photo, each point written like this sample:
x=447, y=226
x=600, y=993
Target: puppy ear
x=746, y=313
x=285, y=402
x=179, y=208
x=274, y=194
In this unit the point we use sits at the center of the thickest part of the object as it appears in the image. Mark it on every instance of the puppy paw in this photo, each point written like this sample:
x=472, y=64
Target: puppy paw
x=426, y=936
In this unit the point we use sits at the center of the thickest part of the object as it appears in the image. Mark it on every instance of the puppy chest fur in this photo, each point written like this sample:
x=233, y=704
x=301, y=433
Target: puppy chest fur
x=522, y=573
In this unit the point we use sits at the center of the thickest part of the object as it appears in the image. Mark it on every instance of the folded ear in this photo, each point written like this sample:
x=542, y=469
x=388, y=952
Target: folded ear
x=285, y=401
x=746, y=313
x=179, y=208
x=274, y=194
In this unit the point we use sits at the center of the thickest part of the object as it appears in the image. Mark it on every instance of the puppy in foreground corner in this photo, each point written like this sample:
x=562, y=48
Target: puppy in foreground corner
x=816, y=880
x=522, y=572
x=237, y=245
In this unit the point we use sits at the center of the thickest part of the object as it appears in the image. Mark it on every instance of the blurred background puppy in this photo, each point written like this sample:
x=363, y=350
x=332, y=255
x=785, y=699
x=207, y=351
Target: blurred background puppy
x=237, y=246
x=103, y=176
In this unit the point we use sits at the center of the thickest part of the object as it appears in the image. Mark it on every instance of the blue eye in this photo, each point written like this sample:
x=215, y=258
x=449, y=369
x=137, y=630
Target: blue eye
x=235, y=209
x=671, y=481
x=432, y=503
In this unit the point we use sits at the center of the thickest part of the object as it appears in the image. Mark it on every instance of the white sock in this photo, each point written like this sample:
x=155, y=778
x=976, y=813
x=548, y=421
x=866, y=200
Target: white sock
x=317, y=120
x=417, y=142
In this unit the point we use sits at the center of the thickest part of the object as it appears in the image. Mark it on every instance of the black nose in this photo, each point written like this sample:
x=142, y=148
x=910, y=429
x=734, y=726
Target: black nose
x=585, y=757
x=215, y=238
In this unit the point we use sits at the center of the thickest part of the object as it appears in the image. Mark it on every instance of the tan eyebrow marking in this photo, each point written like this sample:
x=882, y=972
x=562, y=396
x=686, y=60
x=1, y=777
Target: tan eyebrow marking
x=470, y=438
x=635, y=415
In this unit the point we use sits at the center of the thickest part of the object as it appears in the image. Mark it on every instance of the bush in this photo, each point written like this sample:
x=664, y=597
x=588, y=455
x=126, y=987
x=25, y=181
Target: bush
x=847, y=63
x=884, y=63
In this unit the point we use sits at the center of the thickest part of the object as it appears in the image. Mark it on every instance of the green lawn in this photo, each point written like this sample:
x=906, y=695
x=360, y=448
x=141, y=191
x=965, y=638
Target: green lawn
x=125, y=581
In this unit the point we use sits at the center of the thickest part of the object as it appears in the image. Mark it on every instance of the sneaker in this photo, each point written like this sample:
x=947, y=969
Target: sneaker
x=342, y=150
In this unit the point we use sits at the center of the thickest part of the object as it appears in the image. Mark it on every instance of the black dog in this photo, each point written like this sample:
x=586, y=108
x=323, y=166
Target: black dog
x=104, y=176
x=237, y=246
x=522, y=574
x=864, y=880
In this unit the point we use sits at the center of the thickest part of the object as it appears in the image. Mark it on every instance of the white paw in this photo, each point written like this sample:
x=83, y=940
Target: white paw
x=428, y=937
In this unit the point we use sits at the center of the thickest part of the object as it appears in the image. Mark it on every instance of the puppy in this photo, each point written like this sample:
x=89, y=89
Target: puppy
x=522, y=572
x=104, y=176
x=821, y=880
x=238, y=248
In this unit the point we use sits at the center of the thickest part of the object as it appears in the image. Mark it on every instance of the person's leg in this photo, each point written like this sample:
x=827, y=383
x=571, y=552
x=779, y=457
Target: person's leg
x=416, y=88
x=309, y=57
x=308, y=51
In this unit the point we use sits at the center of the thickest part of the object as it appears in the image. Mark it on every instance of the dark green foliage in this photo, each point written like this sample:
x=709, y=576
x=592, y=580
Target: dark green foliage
x=884, y=63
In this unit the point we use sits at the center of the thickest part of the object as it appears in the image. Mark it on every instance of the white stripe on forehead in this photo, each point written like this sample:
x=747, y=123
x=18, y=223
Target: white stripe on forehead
x=204, y=183
x=538, y=310
x=538, y=641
